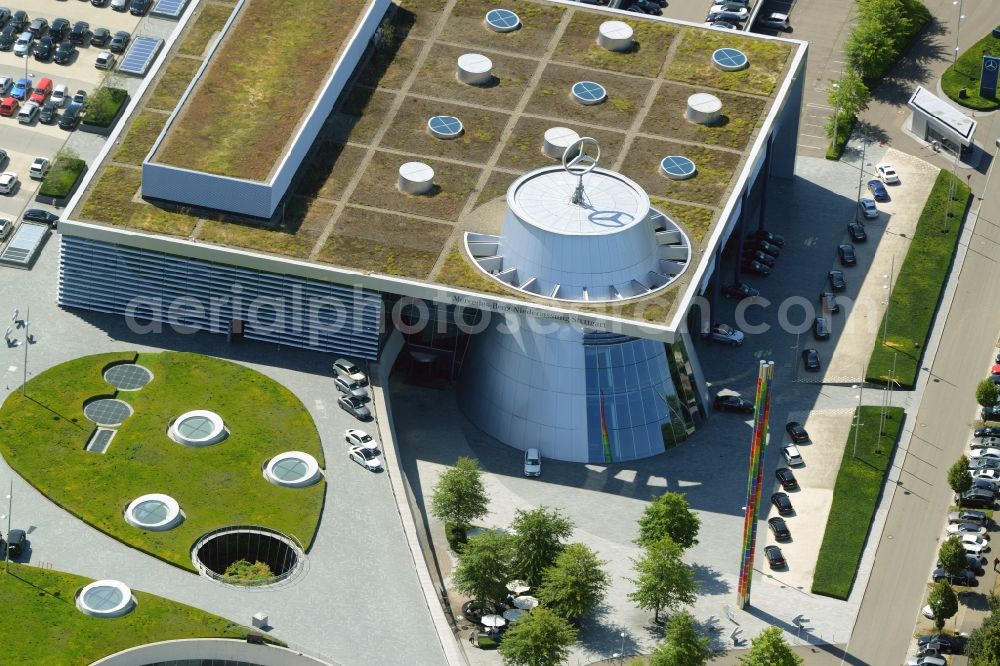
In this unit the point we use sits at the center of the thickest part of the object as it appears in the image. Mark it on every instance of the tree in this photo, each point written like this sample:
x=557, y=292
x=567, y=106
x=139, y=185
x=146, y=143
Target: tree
x=575, y=584
x=669, y=515
x=952, y=556
x=664, y=581
x=850, y=96
x=538, y=537
x=459, y=495
x=484, y=567
x=943, y=602
x=770, y=649
x=540, y=638
x=682, y=645
x=983, y=648
x=958, y=476
x=987, y=393
x=870, y=50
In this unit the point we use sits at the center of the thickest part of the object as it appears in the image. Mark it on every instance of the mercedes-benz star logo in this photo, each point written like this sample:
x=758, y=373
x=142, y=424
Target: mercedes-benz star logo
x=991, y=65
x=581, y=156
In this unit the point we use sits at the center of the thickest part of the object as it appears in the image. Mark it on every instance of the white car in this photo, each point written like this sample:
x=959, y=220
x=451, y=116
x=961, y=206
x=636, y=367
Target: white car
x=360, y=438
x=365, y=457
x=345, y=368
x=776, y=21
x=39, y=168
x=929, y=660
x=720, y=24
x=348, y=386
x=23, y=44
x=927, y=612
x=59, y=95
x=532, y=463
x=724, y=333
x=6, y=226
x=792, y=457
x=718, y=11
x=962, y=529
x=974, y=544
x=887, y=173
x=8, y=182
x=105, y=60
x=985, y=453
x=985, y=474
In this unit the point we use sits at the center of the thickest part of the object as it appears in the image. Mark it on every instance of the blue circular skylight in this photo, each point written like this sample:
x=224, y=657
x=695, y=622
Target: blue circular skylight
x=588, y=92
x=445, y=127
x=677, y=167
x=502, y=20
x=729, y=60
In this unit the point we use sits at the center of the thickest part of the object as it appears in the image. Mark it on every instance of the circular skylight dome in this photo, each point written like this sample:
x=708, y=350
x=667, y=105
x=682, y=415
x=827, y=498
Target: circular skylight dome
x=107, y=411
x=154, y=512
x=588, y=93
x=502, y=20
x=294, y=469
x=677, y=167
x=198, y=428
x=445, y=127
x=105, y=598
x=729, y=60
x=127, y=376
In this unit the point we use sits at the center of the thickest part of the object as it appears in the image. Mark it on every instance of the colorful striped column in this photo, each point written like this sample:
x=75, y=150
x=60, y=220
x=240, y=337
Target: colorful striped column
x=755, y=479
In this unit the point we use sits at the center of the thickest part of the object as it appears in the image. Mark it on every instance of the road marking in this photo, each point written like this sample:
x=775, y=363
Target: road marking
x=806, y=145
x=819, y=106
x=814, y=136
x=320, y=406
x=11, y=368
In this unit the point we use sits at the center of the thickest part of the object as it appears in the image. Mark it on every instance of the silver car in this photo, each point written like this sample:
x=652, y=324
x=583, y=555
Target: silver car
x=23, y=44
x=355, y=407
x=348, y=386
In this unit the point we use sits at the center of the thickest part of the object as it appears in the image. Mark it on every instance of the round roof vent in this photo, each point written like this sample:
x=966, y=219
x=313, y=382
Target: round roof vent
x=415, y=178
x=154, y=512
x=703, y=109
x=105, y=598
x=557, y=140
x=615, y=36
x=293, y=469
x=730, y=60
x=474, y=69
x=198, y=428
x=677, y=167
x=589, y=93
x=502, y=20
x=445, y=127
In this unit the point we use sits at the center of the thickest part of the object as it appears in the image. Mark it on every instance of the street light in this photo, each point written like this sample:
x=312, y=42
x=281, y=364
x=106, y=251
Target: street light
x=621, y=655
x=958, y=30
x=836, y=116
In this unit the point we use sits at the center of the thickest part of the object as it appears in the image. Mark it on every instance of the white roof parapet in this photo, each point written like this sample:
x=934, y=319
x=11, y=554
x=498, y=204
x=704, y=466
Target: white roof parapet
x=948, y=120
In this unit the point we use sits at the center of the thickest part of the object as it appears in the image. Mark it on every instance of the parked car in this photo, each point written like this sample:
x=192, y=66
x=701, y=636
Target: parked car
x=100, y=37
x=786, y=478
x=78, y=35
x=21, y=89
x=977, y=497
x=138, y=7
x=770, y=248
x=3, y=157
x=991, y=413
x=43, y=49
x=346, y=368
x=22, y=45
x=792, y=456
x=857, y=232
x=37, y=27
x=965, y=528
x=532, y=463
x=105, y=60
x=927, y=661
x=984, y=453
x=39, y=215
x=878, y=190
x=756, y=267
x=119, y=5
x=16, y=542
x=39, y=167
x=80, y=96
x=828, y=302
x=779, y=528
x=724, y=333
x=49, y=113
x=821, y=329
x=836, y=279
x=763, y=235
x=19, y=19
x=775, y=21
x=868, y=208
x=949, y=644
x=987, y=474
x=7, y=37
x=756, y=255
x=8, y=184
x=977, y=517
x=355, y=407
x=60, y=94
x=796, y=432
x=984, y=463
x=6, y=83
x=365, y=457
x=9, y=106
x=733, y=403
x=733, y=14
x=993, y=431
x=965, y=577
x=42, y=90
x=988, y=485
x=28, y=113
x=71, y=116
x=725, y=25
x=6, y=227
x=887, y=173
x=64, y=53
x=59, y=29
x=846, y=253
x=356, y=437
x=348, y=386
x=810, y=360
x=775, y=559
x=119, y=42
x=739, y=290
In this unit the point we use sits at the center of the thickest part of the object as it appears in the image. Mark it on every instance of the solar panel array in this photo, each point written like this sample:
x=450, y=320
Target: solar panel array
x=128, y=377
x=169, y=8
x=107, y=411
x=589, y=92
x=100, y=441
x=140, y=55
x=25, y=244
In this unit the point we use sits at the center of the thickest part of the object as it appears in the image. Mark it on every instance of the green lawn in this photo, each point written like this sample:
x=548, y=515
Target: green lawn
x=965, y=74
x=43, y=626
x=43, y=435
x=855, y=495
x=918, y=284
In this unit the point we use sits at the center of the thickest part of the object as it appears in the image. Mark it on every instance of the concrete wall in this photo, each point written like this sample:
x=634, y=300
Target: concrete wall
x=209, y=648
x=244, y=197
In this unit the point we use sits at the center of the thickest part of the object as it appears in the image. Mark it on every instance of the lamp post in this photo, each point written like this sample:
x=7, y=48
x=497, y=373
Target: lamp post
x=958, y=30
x=861, y=172
x=27, y=343
x=836, y=116
x=10, y=510
x=621, y=655
x=857, y=417
x=888, y=295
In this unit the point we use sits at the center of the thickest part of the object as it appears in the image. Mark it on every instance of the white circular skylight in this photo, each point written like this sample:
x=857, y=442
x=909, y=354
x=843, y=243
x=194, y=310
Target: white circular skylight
x=105, y=598
x=294, y=469
x=154, y=512
x=502, y=20
x=730, y=60
x=588, y=92
x=445, y=127
x=475, y=69
x=198, y=428
x=677, y=167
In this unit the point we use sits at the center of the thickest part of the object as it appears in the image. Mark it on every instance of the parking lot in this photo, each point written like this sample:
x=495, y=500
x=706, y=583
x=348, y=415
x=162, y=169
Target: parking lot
x=24, y=142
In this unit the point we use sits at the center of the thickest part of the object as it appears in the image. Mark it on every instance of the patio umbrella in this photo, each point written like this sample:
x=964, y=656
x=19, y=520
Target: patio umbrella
x=514, y=614
x=525, y=602
x=518, y=586
x=492, y=621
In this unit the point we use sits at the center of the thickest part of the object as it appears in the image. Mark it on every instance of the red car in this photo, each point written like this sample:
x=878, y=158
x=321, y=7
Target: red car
x=41, y=92
x=9, y=107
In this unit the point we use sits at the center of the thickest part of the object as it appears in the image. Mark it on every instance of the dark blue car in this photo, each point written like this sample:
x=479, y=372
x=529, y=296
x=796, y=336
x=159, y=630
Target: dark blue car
x=878, y=190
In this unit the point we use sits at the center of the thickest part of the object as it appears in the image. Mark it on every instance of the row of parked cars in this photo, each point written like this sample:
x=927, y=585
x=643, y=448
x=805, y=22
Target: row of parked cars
x=42, y=101
x=780, y=500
